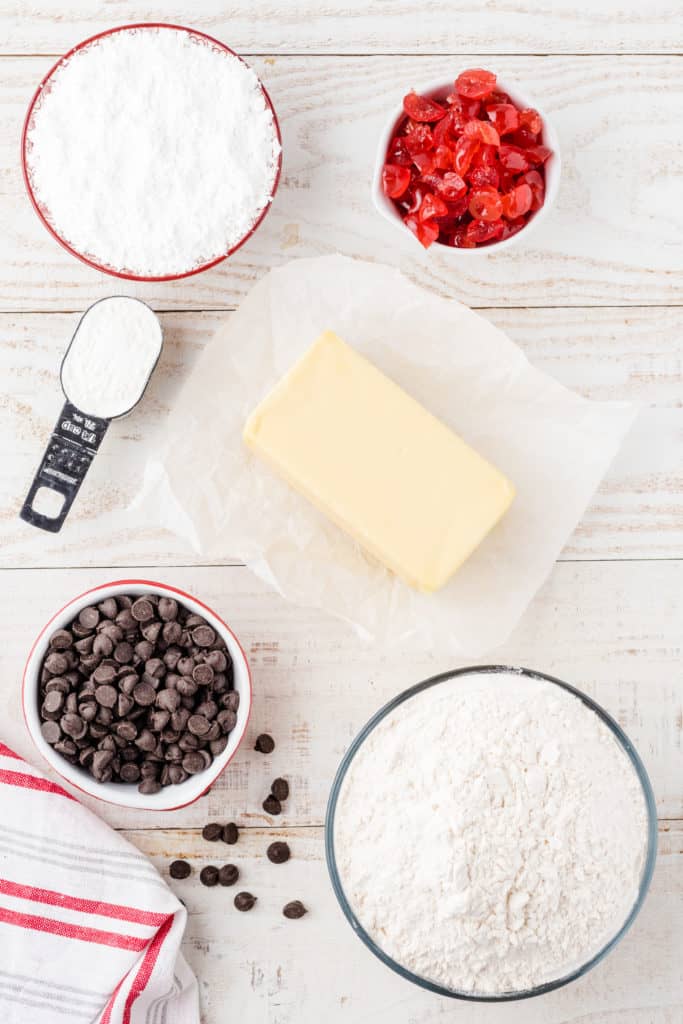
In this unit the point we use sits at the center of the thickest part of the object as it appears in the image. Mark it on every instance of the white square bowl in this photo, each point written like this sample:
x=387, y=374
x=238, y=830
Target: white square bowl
x=438, y=90
x=124, y=794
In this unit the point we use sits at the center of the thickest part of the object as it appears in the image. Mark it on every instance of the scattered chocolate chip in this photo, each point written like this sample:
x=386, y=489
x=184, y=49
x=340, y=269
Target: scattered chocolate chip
x=209, y=875
x=265, y=744
x=278, y=853
x=228, y=874
x=142, y=610
x=271, y=805
x=244, y=901
x=294, y=910
x=280, y=789
x=180, y=869
x=230, y=833
x=212, y=832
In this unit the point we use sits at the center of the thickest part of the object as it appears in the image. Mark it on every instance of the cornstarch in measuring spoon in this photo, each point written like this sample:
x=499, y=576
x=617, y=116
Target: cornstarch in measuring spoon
x=152, y=151
x=111, y=357
x=491, y=833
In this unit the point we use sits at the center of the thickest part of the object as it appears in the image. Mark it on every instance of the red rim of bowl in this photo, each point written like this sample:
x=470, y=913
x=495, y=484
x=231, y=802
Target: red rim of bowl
x=86, y=259
x=183, y=594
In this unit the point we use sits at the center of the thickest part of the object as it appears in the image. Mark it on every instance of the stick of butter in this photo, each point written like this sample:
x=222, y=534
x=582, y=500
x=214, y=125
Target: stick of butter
x=369, y=456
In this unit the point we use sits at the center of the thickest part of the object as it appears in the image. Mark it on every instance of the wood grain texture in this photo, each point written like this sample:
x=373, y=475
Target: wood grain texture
x=261, y=967
x=634, y=354
x=615, y=236
x=353, y=26
x=613, y=629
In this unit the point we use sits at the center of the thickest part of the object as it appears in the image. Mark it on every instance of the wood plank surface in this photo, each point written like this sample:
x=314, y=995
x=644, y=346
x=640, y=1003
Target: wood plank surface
x=612, y=628
x=354, y=26
x=634, y=354
x=615, y=236
x=259, y=967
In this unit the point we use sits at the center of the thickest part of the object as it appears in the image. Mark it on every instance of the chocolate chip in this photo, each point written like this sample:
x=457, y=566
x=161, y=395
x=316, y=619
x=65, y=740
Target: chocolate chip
x=149, y=786
x=203, y=636
x=228, y=874
x=104, y=673
x=193, y=763
x=278, y=853
x=123, y=652
x=53, y=702
x=203, y=674
x=51, y=732
x=144, y=694
x=265, y=744
x=73, y=725
x=198, y=725
x=106, y=696
x=244, y=901
x=130, y=772
x=142, y=610
x=294, y=910
x=56, y=662
x=212, y=832
x=209, y=875
x=168, y=608
x=60, y=640
x=280, y=789
x=271, y=805
x=180, y=869
x=89, y=617
x=108, y=608
x=230, y=833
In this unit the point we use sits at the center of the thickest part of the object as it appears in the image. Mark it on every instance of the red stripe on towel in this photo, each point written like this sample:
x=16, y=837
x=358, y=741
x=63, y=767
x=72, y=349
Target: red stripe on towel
x=146, y=968
x=59, y=899
x=32, y=782
x=6, y=752
x=71, y=931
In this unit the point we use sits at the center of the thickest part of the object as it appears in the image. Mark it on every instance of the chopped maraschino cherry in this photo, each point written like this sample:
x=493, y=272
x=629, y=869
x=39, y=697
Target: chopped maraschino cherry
x=466, y=169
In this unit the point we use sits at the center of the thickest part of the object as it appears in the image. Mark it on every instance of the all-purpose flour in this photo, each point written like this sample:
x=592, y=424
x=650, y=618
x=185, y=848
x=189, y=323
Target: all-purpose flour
x=151, y=151
x=111, y=356
x=490, y=833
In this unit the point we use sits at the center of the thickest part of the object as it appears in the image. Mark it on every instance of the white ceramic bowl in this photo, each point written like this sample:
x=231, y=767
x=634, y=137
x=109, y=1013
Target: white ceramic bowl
x=171, y=797
x=438, y=90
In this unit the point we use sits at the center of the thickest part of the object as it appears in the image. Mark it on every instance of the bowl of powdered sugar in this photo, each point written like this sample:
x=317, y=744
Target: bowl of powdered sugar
x=151, y=151
x=491, y=834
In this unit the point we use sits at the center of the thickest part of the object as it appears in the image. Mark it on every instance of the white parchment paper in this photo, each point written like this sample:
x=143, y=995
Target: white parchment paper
x=553, y=444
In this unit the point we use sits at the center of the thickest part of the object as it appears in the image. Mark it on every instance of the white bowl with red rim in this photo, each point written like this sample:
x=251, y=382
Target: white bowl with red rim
x=172, y=797
x=43, y=213
x=438, y=90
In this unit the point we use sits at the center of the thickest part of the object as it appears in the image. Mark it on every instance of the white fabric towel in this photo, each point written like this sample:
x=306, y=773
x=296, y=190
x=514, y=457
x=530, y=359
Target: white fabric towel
x=89, y=931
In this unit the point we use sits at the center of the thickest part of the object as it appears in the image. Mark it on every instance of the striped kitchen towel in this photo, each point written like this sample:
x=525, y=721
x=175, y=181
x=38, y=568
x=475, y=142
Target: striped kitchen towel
x=89, y=932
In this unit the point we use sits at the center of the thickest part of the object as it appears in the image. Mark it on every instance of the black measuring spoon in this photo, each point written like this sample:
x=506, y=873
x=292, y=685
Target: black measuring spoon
x=78, y=434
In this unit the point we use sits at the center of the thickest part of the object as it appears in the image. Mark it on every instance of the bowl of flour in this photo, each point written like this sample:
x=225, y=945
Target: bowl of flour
x=491, y=834
x=151, y=151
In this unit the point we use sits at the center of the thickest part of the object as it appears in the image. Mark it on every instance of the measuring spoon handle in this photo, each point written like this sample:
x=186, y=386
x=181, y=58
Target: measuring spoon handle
x=73, y=445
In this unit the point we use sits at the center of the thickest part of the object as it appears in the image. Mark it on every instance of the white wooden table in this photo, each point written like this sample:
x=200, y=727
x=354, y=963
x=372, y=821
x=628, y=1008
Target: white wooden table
x=595, y=299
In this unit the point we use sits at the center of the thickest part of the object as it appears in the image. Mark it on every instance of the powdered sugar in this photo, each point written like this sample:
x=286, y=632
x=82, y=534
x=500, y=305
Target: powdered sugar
x=490, y=833
x=111, y=356
x=152, y=151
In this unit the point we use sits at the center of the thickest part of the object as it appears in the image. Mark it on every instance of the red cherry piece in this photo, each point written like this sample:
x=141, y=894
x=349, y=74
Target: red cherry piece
x=475, y=83
x=419, y=108
x=517, y=202
x=537, y=154
x=530, y=119
x=483, y=176
x=443, y=158
x=452, y=187
x=481, y=231
x=425, y=162
x=523, y=137
x=483, y=131
x=419, y=139
x=464, y=152
x=413, y=199
x=398, y=152
x=426, y=232
x=513, y=159
x=534, y=179
x=432, y=207
x=395, y=180
x=485, y=204
x=503, y=117
x=461, y=239
x=512, y=227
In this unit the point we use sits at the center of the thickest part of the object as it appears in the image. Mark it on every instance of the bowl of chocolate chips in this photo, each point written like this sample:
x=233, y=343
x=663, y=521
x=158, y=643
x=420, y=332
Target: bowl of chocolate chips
x=138, y=694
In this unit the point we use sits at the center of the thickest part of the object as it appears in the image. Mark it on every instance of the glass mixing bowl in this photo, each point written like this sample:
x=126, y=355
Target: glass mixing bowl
x=648, y=867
